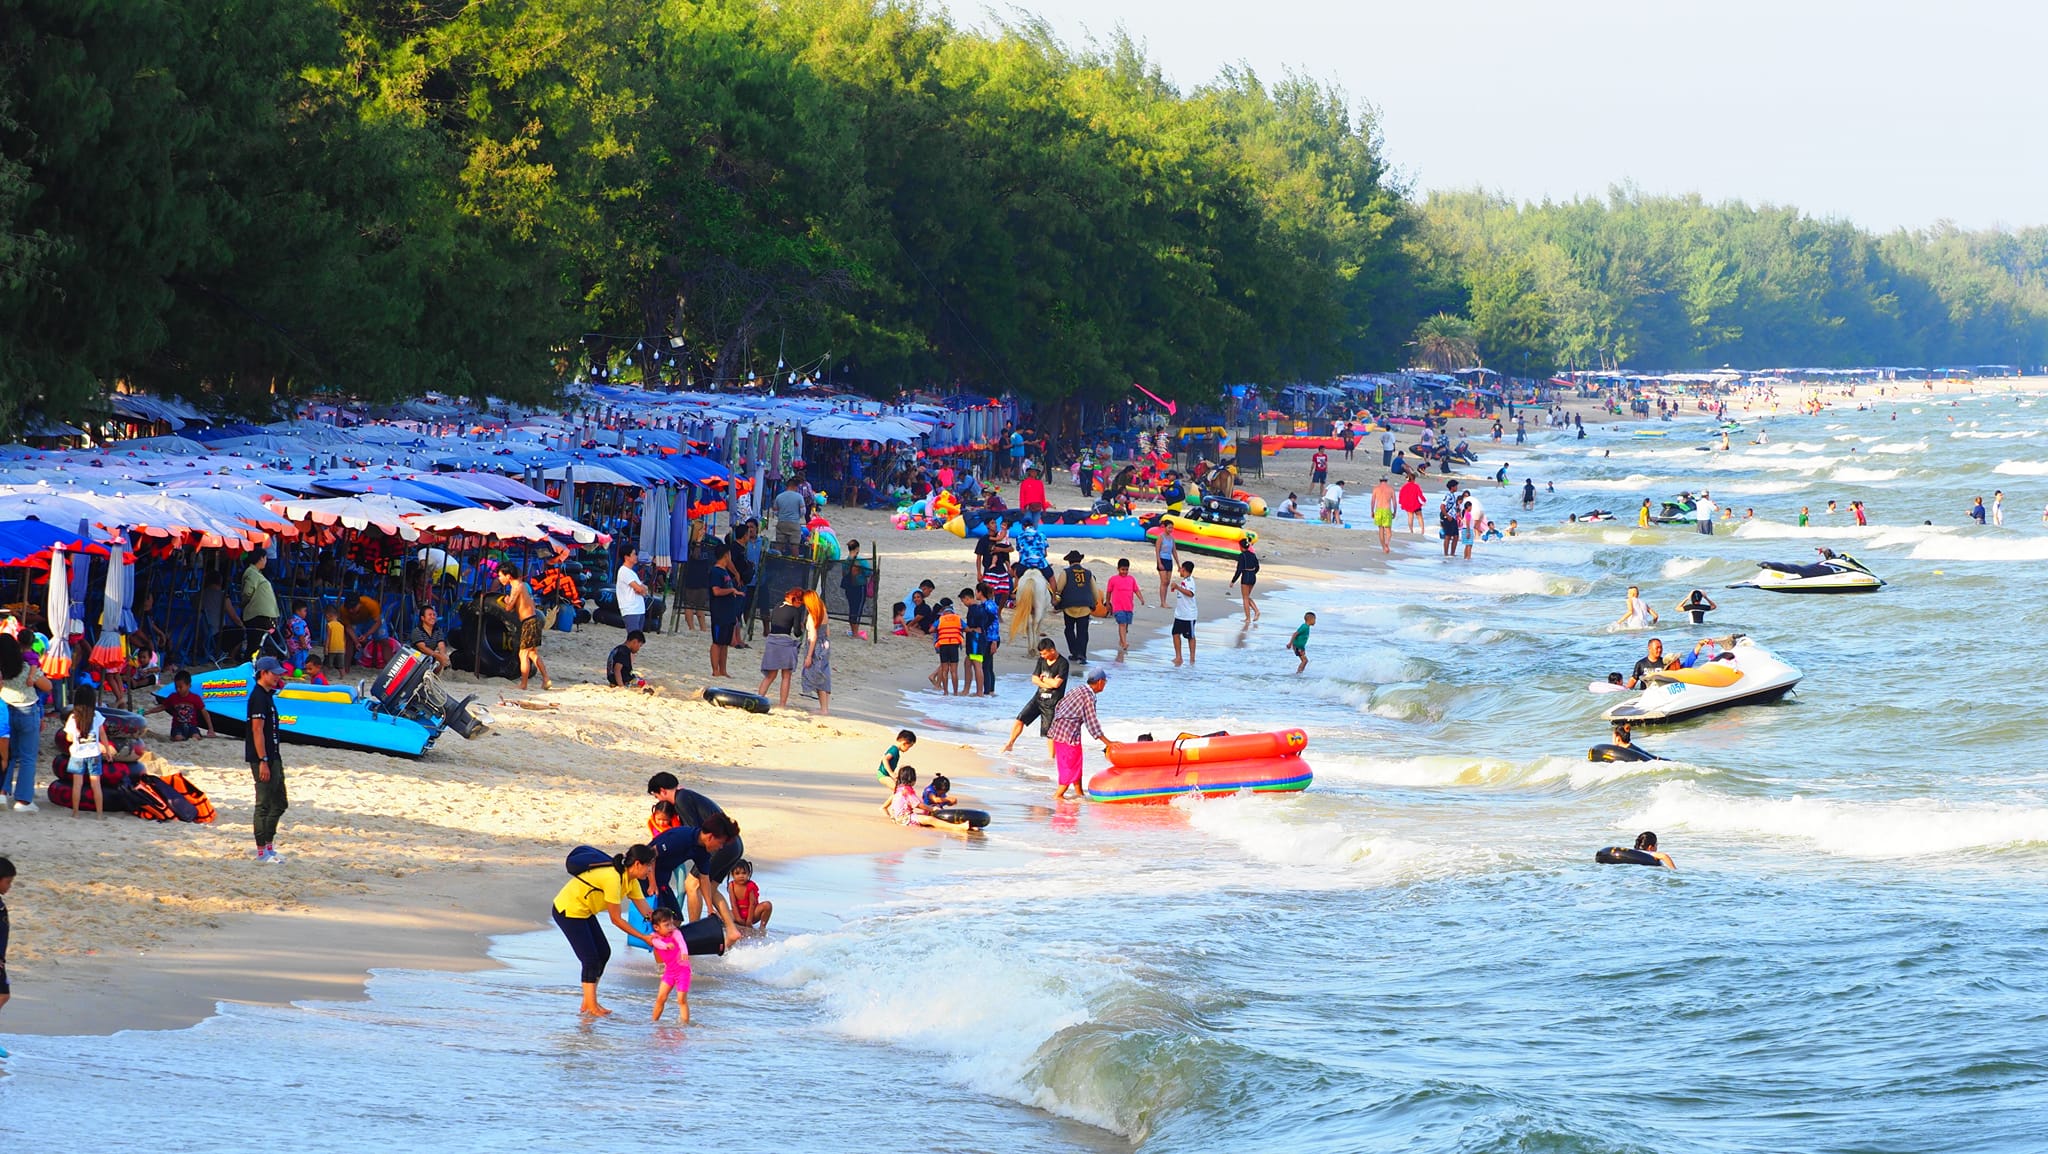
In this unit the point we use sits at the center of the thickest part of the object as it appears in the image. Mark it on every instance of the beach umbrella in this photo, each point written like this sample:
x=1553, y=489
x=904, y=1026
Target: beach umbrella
x=57, y=661
x=110, y=649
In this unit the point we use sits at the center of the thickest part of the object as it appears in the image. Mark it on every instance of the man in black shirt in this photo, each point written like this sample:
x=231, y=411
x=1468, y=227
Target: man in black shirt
x=430, y=638
x=1654, y=661
x=1049, y=677
x=689, y=859
x=259, y=748
x=618, y=668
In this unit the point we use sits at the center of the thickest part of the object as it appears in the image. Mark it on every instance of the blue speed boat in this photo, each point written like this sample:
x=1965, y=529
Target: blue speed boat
x=400, y=713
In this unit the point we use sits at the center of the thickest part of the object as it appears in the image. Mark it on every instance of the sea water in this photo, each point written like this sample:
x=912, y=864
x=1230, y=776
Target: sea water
x=1417, y=954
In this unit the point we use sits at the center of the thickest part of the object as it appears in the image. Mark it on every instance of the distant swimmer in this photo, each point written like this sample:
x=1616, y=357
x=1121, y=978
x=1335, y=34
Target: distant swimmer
x=1647, y=843
x=1638, y=615
x=1699, y=605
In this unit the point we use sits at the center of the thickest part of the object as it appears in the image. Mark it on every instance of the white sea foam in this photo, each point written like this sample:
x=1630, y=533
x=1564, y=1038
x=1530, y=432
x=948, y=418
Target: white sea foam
x=1857, y=473
x=2003, y=547
x=1906, y=828
x=1896, y=448
x=1526, y=582
x=1449, y=771
x=2001, y=435
x=1270, y=832
x=864, y=981
x=1634, y=482
x=2022, y=468
x=1678, y=567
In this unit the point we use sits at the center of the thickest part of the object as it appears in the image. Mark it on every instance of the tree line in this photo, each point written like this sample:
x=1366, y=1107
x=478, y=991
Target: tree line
x=237, y=199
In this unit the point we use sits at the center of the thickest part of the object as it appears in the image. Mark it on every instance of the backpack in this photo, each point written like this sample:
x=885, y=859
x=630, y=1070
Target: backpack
x=202, y=806
x=585, y=858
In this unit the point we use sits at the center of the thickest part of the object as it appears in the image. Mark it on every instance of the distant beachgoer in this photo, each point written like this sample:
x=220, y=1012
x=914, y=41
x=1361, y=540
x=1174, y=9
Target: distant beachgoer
x=1124, y=598
x=629, y=591
x=1528, y=492
x=1977, y=512
x=1638, y=615
x=1383, y=513
x=601, y=890
x=1299, y=642
x=1699, y=605
x=1647, y=842
x=1185, y=614
x=1998, y=507
x=1411, y=501
x=1862, y=517
x=518, y=600
x=1244, y=577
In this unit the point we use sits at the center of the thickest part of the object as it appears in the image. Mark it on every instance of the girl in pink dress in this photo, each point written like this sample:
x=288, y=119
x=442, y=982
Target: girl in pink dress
x=674, y=955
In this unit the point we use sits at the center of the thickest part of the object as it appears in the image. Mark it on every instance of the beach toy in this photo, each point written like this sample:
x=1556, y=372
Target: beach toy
x=1216, y=747
x=735, y=699
x=1621, y=855
x=956, y=816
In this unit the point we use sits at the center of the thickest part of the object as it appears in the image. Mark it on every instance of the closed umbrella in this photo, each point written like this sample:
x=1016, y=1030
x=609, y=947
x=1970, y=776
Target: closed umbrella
x=57, y=661
x=110, y=649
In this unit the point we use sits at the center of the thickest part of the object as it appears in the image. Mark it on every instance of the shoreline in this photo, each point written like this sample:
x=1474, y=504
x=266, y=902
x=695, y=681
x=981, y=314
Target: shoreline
x=130, y=925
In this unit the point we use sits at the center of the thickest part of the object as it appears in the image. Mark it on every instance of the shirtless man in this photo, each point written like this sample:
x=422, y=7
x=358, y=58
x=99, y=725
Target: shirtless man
x=518, y=600
x=1383, y=514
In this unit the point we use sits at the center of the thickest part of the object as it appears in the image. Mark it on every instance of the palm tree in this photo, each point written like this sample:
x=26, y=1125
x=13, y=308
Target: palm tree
x=1446, y=343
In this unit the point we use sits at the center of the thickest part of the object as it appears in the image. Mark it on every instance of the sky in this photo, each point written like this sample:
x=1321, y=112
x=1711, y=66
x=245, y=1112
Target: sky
x=1890, y=114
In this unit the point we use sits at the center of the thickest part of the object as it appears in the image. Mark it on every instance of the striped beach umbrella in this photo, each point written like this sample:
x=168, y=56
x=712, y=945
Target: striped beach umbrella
x=110, y=649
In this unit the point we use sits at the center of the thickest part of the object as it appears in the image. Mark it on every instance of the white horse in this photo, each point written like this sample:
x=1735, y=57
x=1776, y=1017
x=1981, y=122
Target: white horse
x=1034, y=604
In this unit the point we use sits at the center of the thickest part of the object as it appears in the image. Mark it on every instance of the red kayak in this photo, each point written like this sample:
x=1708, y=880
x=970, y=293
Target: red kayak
x=1214, y=748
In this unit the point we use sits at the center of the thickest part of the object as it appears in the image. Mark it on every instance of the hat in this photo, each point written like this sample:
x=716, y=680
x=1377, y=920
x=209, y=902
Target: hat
x=1075, y=555
x=269, y=665
x=1098, y=676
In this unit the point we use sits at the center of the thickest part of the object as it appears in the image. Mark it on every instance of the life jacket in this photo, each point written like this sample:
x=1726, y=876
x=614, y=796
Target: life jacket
x=202, y=806
x=153, y=800
x=1078, y=591
x=947, y=631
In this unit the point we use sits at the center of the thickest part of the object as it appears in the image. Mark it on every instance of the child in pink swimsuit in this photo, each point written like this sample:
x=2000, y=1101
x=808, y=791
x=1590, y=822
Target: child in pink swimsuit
x=674, y=956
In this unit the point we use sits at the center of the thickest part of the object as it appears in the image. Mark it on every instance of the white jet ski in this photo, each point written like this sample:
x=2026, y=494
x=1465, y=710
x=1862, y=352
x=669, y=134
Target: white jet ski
x=1833, y=573
x=1751, y=675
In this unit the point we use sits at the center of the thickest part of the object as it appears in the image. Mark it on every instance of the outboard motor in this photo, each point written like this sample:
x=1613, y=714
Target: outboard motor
x=407, y=687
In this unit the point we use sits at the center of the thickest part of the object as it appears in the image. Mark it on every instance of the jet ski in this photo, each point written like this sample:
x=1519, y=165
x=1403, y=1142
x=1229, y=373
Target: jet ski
x=1747, y=674
x=1678, y=510
x=1833, y=573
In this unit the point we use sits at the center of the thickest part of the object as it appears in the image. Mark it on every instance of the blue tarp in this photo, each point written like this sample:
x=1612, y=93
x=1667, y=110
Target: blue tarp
x=22, y=540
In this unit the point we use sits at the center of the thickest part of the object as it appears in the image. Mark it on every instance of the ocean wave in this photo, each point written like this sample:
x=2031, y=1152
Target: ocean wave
x=1526, y=582
x=2022, y=468
x=1888, y=534
x=1988, y=548
x=1019, y=1040
x=1446, y=771
x=1908, y=828
x=1911, y=447
x=1760, y=488
x=1678, y=567
x=1634, y=482
x=1270, y=831
x=1781, y=448
x=2003, y=435
x=1858, y=473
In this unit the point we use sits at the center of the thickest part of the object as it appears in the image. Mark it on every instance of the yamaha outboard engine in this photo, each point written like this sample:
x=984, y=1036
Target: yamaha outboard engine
x=408, y=688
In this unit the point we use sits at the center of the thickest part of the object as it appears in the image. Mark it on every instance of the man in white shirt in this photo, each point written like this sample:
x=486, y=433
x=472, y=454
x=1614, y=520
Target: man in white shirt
x=1184, y=612
x=631, y=594
x=1703, y=512
x=1333, y=502
x=1386, y=448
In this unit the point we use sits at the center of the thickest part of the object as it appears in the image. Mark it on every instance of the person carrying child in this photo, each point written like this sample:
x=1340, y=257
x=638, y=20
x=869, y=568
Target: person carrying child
x=84, y=732
x=745, y=898
x=674, y=955
x=298, y=638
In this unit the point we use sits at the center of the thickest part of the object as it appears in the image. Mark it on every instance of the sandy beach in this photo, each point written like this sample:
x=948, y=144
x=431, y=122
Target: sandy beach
x=122, y=924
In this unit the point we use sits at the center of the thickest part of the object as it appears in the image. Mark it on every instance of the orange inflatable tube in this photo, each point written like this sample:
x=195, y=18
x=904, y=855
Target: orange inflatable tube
x=1187, y=749
x=1162, y=783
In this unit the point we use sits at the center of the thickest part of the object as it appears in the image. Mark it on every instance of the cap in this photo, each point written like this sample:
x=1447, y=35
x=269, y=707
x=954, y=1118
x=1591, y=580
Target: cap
x=269, y=665
x=1098, y=676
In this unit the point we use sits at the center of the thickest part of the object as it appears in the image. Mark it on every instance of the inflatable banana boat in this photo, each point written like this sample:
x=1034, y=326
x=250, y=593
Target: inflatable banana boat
x=1202, y=536
x=1159, y=771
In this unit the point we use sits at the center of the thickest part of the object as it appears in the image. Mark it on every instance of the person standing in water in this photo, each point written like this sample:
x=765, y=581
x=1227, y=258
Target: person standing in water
x=1998, y=507
x=1638, y=615
x=598, y=890
x=1244, y=577
x=1184, y=612
x=1699, y=605
x=1076, y=711
x=1383, y=513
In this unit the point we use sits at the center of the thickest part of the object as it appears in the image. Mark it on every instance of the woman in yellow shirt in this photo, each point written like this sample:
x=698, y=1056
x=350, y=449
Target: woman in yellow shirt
x=602, y=890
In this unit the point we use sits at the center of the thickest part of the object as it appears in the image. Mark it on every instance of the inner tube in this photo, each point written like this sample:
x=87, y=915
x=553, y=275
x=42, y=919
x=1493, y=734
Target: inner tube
x=706, y=935
x=1606, y=751
x=735, y=699
x=954, y=815
x=1620, y=855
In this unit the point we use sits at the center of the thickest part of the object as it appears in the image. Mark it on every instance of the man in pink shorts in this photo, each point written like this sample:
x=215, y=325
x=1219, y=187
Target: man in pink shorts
x=1075, y=710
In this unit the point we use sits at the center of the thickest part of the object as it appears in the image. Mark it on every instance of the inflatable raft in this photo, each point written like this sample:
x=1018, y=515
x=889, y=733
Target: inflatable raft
x=1159, y=771
x=1201, y=536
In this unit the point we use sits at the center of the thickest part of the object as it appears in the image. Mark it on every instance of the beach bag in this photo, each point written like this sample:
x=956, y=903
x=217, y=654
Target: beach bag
x=202, y=806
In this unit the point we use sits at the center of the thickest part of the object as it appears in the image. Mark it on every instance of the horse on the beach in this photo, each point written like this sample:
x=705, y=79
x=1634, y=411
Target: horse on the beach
x=1033, y=603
